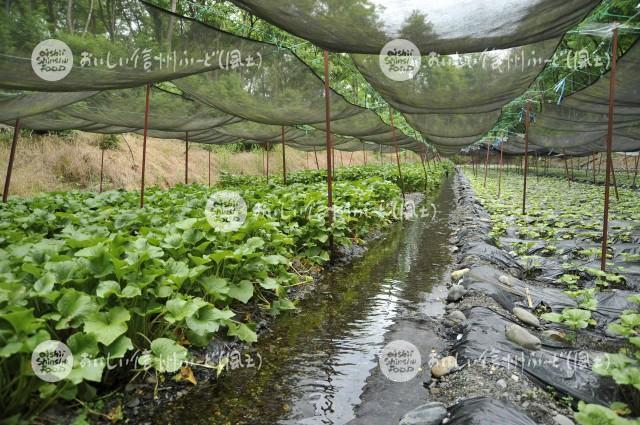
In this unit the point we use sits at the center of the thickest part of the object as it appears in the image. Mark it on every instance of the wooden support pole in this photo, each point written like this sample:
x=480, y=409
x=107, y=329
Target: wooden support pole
x=395, y=143
x=284, y=157
x=635, y=174
x=12, y=155
x=612, y=97
x=144, y=144
x=527, y=123
x=209, y=167
x=350, y=159
x=186, y=158
x=327, y=108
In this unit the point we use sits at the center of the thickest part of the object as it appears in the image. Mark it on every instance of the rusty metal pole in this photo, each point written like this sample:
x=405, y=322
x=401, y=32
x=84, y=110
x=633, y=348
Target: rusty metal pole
x=315, y=154
x=594, y=168
x=101, y=168
x=12, y=155
x=615, y=181
x=527, y=123
x=635, y=174
x=327, y=108
x=267, y=153
x=364, y=151
x=566, y=168
x=395, y=143
x=186, y=158
x=486, y=164
x=426, y=176
x=626, y=165
x=144, y=144
x=500, y=173
x=284, y=157
x=612, y=97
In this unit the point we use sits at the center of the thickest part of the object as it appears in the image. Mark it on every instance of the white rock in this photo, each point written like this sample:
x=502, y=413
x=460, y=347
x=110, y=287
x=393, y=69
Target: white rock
x=505, y=280
x=444, y=366
x=458, y=274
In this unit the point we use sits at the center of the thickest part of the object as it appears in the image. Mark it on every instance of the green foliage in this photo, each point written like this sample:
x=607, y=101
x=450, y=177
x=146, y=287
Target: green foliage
x=107, y=277
x=109, y=142
x=573, y=318
x=594, y=414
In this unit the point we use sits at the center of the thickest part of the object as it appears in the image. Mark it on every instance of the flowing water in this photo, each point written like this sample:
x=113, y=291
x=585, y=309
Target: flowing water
x=320, y=364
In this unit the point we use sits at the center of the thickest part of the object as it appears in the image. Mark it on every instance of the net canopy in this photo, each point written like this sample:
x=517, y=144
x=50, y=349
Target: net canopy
x=132, y=43
x=316, y=141
x=442, y=26
x=237, y=89
x=579, y=125
x=167, y=111
x=15, y=105
x=454, y=100
x=260, y=132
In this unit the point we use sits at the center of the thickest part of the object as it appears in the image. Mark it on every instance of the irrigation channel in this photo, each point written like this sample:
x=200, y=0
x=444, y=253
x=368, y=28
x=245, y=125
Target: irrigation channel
x=320, y=365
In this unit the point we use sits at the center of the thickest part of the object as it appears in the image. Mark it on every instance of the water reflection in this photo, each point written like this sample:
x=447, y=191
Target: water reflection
x=317, y=362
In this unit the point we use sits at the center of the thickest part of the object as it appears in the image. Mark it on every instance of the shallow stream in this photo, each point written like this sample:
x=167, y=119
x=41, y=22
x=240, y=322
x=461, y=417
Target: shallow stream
x=320, y=364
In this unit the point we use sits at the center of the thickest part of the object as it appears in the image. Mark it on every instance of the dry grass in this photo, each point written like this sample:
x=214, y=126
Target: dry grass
x=54, y=163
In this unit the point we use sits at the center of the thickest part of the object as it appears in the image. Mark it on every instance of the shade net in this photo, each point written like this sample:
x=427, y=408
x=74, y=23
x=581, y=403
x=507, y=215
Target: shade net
x=454, y=100
x=23, y=104
x=442, y=26
x=167, y=111
x=579, y=125
x=129, y=44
